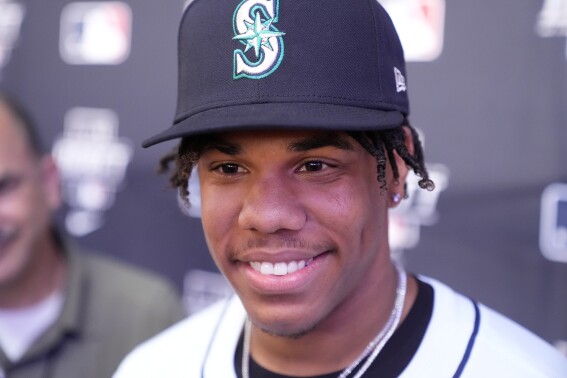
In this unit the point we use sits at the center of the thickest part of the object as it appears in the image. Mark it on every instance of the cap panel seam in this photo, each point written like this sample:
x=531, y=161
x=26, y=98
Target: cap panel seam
x=378, y=46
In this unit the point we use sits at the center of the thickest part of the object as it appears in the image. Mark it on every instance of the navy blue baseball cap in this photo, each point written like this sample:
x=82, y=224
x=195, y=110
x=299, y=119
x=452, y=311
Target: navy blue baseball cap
x=306, y=64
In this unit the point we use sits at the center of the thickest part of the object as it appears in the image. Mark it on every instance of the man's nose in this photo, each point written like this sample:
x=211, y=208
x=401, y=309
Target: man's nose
x=271, y=205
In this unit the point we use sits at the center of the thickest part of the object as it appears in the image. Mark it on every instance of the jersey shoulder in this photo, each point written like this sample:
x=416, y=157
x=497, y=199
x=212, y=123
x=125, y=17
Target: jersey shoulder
x=475, y=340
x=182, y=348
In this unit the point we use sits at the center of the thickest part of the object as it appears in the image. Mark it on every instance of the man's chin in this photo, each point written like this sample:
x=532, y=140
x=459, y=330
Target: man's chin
x=291, y=332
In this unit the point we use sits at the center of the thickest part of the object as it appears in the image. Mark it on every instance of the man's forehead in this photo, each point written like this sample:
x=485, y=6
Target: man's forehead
x=10, y=125
x=14, y=145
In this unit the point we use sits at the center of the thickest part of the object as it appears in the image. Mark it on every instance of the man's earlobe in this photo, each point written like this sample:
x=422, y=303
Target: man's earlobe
x=395, y=199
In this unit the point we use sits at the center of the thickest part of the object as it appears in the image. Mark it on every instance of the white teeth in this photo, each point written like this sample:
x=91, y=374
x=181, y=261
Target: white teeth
x=292, y=267
x=280, y=268
x=267, y=268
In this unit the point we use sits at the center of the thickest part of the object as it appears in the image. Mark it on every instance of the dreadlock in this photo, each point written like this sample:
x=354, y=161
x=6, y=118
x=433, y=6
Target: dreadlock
x=380, y=144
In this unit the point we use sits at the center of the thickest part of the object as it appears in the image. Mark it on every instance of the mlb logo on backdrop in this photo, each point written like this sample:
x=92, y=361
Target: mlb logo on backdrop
x=95, y=32
x=420, y=25
x=92, y=159
x=552, y=20
x=11, y=17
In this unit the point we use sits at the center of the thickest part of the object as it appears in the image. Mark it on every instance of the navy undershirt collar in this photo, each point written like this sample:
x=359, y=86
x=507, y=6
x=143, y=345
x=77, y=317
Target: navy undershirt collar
x=395, y=356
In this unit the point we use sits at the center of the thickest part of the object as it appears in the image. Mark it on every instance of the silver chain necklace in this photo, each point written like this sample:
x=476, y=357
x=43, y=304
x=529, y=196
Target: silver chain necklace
x=372, y=349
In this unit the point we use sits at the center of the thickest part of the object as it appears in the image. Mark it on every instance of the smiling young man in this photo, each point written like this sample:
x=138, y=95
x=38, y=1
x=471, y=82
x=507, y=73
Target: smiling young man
x=294, y=114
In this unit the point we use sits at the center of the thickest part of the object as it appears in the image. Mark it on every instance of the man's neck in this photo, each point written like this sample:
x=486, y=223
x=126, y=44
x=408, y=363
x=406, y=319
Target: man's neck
x=44, y=275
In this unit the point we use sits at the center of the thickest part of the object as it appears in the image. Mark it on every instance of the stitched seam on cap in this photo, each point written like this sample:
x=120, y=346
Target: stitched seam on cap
x=243, y=100
x=378, y=46
x=189, y=114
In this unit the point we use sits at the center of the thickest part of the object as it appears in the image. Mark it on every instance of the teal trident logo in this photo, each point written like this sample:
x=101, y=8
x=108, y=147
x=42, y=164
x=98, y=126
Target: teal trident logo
x=253, y=24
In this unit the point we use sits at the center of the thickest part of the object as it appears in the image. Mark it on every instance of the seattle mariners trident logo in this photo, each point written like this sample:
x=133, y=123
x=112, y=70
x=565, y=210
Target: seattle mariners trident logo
x=253, y=25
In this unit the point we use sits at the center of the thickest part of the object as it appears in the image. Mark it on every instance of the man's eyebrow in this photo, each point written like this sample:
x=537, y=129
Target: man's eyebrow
x=223, y=146
x=329, y=139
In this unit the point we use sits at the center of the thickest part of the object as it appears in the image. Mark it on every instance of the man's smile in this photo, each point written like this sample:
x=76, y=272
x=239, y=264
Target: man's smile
x=279, y=268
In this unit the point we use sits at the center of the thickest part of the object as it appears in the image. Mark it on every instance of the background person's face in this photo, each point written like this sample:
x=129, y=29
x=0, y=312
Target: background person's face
x=299, y=228
x=28, y=195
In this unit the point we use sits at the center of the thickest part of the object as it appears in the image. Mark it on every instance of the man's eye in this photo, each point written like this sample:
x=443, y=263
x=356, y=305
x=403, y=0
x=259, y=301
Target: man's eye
x=228, y=168
x=9, y=183
x=312, y=166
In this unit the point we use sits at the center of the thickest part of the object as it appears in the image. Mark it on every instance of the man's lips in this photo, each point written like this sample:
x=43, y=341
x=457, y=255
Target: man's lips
x=282, y=275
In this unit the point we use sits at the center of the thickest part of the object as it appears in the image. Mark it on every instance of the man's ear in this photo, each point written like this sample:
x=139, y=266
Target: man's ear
x=50, y=181
x=397, y=187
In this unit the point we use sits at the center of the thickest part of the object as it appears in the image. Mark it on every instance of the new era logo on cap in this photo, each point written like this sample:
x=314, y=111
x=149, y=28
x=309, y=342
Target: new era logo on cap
x=400, y=80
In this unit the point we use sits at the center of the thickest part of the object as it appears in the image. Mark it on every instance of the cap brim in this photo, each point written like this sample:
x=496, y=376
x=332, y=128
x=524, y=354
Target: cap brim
x=305, y=116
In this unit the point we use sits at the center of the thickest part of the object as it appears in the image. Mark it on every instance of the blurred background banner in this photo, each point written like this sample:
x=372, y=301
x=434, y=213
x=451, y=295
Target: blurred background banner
x=488, y=88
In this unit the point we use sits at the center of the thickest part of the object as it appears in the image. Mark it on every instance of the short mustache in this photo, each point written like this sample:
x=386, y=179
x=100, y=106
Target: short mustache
x=279, y=242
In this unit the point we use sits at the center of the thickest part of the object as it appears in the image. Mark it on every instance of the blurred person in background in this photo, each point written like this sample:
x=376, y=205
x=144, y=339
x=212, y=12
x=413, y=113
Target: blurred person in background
x=63, y=312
